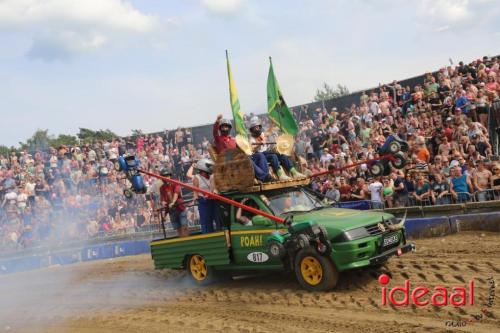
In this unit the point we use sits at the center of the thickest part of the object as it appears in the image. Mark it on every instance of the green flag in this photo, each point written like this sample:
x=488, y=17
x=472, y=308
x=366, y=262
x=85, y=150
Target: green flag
x=239, y=123
x=276, y=106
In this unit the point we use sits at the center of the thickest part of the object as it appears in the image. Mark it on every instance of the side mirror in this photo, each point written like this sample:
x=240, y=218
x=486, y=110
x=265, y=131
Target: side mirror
x=262, y=221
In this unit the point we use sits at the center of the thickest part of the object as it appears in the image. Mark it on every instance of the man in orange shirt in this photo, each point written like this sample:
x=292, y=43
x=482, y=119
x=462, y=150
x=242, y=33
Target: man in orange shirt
x=421, y=150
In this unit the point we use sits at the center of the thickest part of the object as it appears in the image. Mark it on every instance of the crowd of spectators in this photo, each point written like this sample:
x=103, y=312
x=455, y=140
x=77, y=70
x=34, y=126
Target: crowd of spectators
x=446, y=122
x=73, y=193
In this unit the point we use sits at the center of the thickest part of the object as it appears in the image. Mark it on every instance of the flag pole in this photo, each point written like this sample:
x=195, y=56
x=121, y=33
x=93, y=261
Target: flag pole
x=274, y=77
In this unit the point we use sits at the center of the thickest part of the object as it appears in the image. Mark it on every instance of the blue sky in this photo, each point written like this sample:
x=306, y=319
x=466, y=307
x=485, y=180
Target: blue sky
x=159, y=64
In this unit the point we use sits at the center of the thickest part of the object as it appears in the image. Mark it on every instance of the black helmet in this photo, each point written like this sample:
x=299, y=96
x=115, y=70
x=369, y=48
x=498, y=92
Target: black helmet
x=165, y=172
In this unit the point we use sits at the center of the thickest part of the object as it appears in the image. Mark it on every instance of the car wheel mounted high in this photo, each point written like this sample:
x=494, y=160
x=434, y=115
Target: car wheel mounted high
x=399, y=161
x=377, y=169
x=394, y=147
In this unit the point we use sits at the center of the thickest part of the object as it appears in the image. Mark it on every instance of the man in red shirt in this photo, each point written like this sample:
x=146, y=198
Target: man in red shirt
x=171, y=196
x=222, y=139
x=345, y=190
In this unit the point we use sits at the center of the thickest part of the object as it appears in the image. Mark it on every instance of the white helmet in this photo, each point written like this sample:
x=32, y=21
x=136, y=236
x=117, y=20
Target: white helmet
x=255, y=121
x=205, y=164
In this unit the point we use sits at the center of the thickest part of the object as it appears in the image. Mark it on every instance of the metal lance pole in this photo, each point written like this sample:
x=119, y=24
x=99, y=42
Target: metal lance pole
x=215, y=196
x=279, y=104
x=383, y=157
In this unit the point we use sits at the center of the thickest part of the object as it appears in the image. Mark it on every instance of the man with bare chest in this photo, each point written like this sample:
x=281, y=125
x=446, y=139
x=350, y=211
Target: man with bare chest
x=481, y=180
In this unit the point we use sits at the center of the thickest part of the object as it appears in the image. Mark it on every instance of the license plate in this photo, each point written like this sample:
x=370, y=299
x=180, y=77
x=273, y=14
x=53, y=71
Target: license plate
x=390, y=240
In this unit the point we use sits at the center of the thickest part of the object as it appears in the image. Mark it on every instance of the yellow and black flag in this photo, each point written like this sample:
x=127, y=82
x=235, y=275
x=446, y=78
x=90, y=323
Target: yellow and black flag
x=239, y=123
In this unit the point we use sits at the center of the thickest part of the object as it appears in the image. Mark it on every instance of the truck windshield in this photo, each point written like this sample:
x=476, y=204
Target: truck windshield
x=293, y=202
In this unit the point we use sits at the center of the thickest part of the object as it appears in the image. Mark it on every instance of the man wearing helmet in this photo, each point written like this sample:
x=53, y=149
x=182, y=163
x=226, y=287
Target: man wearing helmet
x=223, y=141
x=277, y=160
x=171, y=196
x=204, y=181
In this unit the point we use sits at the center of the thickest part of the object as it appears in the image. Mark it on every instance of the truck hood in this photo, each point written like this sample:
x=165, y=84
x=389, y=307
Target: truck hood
x=336, y=220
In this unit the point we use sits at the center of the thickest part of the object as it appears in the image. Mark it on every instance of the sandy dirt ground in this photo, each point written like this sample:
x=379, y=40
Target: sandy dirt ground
x=128, y=295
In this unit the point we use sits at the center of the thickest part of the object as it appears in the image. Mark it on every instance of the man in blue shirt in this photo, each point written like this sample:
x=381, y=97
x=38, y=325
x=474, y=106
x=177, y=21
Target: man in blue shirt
x=460, y=185
x=461, y=102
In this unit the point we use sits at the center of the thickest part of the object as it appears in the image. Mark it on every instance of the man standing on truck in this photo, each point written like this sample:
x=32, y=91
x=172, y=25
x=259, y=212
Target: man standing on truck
x=171, y=196
x=204, y=180
x=278, y=161
x=223, y=141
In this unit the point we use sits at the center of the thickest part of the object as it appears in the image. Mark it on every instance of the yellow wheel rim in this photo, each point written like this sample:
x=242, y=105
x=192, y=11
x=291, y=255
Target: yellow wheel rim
x=311, y=270
x=198, y=267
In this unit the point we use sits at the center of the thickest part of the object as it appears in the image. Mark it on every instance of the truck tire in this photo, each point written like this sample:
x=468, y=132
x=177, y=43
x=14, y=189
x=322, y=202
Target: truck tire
x=399, y=161
x=276, y=250
x=394, y=147
x=303, y=241
x=315, y=272
x=198, y=270
x=377, y=169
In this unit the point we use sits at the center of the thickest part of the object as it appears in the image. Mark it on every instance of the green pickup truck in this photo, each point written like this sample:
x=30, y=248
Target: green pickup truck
x=317, y=242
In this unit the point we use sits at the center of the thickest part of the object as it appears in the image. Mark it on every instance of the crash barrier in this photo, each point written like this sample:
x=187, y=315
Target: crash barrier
x=428, y=227
x=481, y=221
x=448, y=199
x=74, y=255
x=445, y=225
x=415, y=228
x=449, y=209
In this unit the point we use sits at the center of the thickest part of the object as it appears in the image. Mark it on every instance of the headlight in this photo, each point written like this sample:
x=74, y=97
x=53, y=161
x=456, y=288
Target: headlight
x=352, y=235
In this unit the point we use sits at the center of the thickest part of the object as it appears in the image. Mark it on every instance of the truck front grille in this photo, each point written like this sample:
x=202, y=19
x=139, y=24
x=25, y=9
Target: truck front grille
x=373, y=229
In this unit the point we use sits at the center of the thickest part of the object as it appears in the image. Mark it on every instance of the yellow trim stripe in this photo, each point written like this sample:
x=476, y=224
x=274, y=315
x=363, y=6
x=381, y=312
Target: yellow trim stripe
x=184, y=239
x=259, y=231
x=215, y=234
